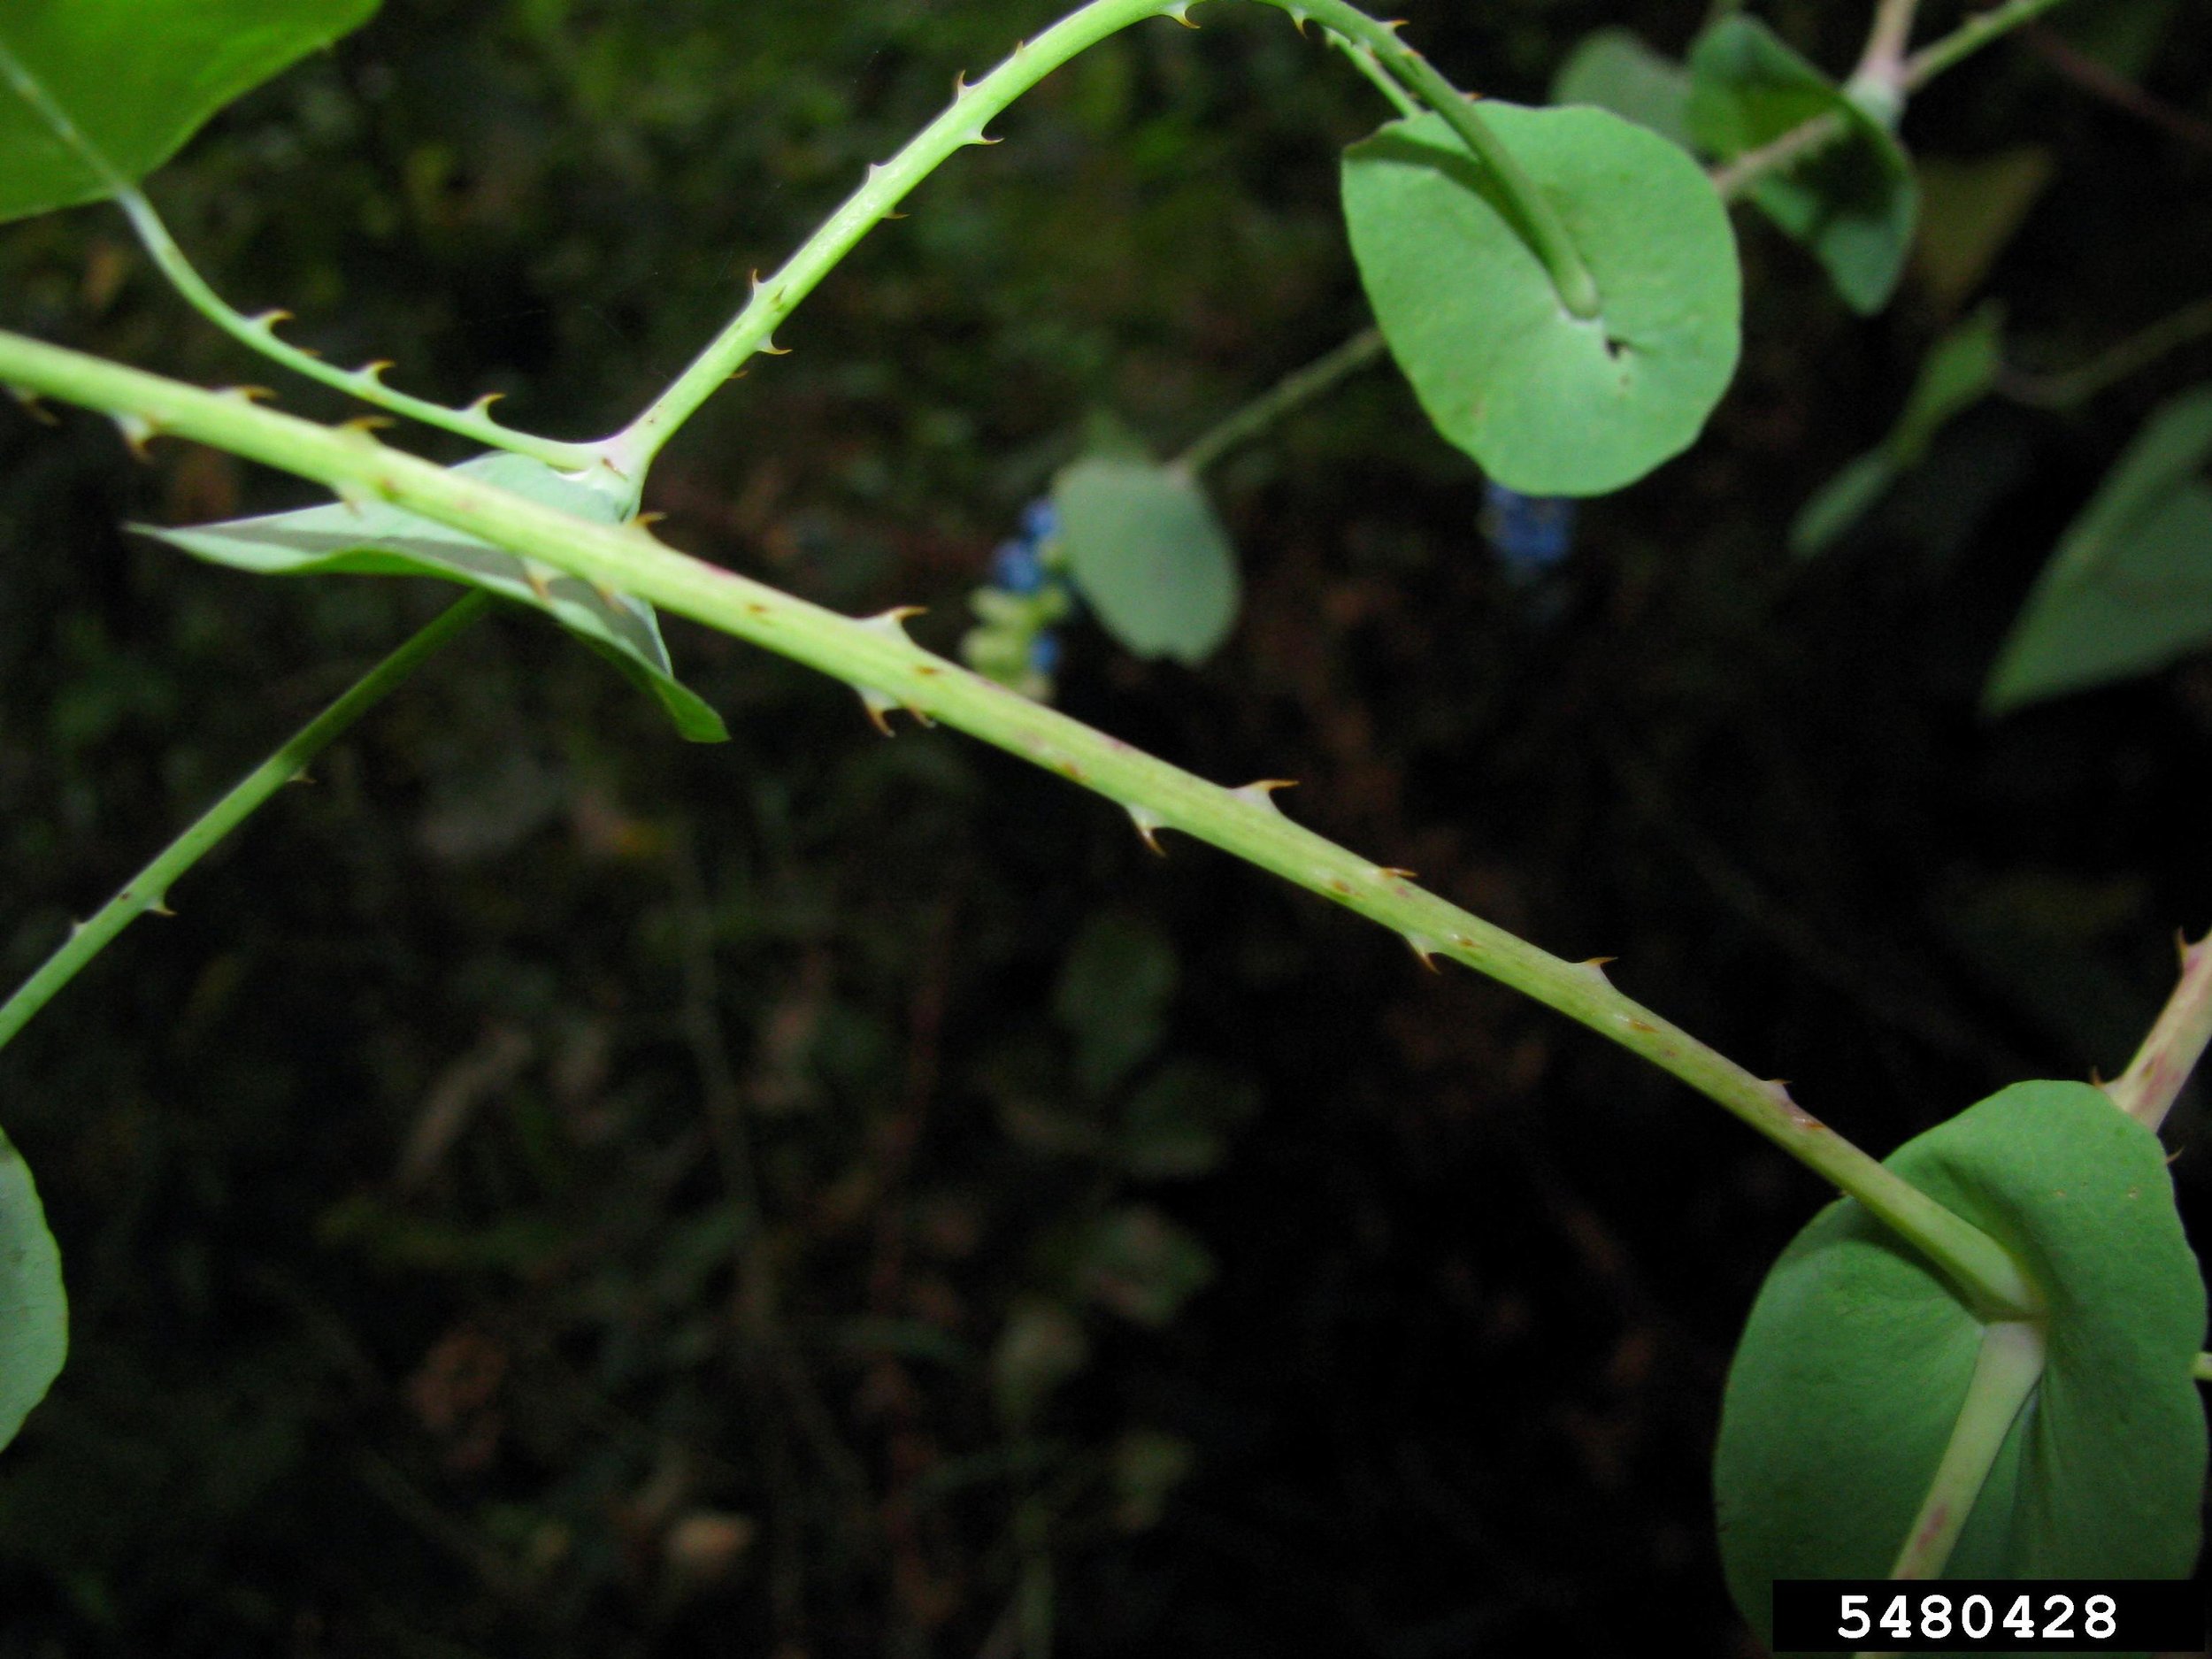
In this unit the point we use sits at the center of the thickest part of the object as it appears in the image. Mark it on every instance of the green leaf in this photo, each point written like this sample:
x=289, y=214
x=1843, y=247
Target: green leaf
x=1848, y=1384
x=1614, y=70
x=1958, y=370
x=1852, y=203
x=1146, y=551
x=34, y=1313
x=1113, y=996
x=2129, y=589
x=136, y=78
x=1547, y=403
x=381, y=540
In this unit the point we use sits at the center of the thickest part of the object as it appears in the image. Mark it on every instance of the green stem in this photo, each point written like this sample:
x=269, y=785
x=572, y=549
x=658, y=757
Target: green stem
x=962, y=124
x=2176, y=1041
x=2005, y=1373
x=875, y=656
x=148, y=889
x=888, y=184
x=1969, y=38
x=1540, y=222
x=2184, y=327
x=1882, y=61
x=1738, y=176
x=1364, y=60
x=259, y=332
x=1288, y=394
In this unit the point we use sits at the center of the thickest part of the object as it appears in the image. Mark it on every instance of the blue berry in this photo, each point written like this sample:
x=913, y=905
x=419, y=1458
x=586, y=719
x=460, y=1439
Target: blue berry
x=1014, y=567
x=1044, y=654
x=1040, y=521
x=1529, y=534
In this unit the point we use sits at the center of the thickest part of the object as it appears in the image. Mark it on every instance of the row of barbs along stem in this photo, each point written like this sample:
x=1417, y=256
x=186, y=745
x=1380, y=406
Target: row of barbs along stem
x=1578, y=989
x=876, y=656
x=1371, y=43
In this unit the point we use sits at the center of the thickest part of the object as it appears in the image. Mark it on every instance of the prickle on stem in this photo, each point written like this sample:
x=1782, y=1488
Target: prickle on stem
x=31, y=407
x=137, y=432
x=1149, y=823
x=1261, y=793
x=879, y=705
x=892, y=623
x=1423, y=948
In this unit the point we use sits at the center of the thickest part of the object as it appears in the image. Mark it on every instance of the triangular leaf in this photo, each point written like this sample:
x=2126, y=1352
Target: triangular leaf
x=1957, y=371
x=1614, y=70
x=2129, y=586
x=1548, y=404
x=379, y=539
x=136, y=78
x=1852, y=203
x=1847, y=1383
x=34, y=1313
x=1146, y=553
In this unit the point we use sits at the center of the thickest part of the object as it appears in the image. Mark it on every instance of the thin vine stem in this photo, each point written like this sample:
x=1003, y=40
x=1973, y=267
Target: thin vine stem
x=963, y=123
x=888, y=670
x=1882, y=60
x=1364, y=60
x=1736, y=177
x=148, y=889
x=1547, y=232
x=1969, y=38
x=1288, y=394
x=2070, y=386
x=2007, y=1368
x=259, y=332
x=2146, y=1090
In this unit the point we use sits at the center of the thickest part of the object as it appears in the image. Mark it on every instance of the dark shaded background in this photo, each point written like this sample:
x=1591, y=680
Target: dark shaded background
x=557, y=1191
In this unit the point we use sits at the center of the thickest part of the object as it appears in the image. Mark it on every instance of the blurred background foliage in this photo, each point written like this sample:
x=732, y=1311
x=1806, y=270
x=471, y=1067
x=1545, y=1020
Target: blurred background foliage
x=555, y=1190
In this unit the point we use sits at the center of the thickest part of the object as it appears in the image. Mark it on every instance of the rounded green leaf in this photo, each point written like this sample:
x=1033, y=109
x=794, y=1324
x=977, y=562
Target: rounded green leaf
x=1146, y=553
x=378, y=539
x=34, y=1313
x=136, y=78
x=1547, y=403
x=1848, y=1384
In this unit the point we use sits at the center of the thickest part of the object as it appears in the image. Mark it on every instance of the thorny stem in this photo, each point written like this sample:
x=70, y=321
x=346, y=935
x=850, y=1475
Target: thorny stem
x=2146, y=1091
x=888, y=670
x=962, y=124
x=1576, y=288
x=148, y=889
x=259, y=332
x=1292, y=392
